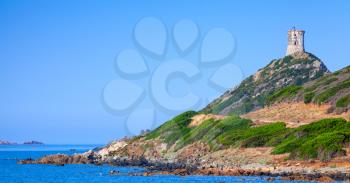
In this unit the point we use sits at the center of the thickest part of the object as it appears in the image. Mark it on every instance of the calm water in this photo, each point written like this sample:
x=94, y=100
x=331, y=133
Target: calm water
x=12, y=172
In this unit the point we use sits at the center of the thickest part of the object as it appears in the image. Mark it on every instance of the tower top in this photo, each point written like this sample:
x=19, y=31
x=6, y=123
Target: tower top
x=295, y=41
x=295, y=30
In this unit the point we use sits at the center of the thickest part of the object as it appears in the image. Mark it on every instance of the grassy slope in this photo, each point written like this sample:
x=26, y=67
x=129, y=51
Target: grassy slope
x=332, y=88
x=253, y=92
x=322, y=139
x=173, y=129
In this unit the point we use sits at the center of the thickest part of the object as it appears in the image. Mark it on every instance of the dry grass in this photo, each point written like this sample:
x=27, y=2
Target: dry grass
x=198, y=119
x=253, y=157
x=293, y=114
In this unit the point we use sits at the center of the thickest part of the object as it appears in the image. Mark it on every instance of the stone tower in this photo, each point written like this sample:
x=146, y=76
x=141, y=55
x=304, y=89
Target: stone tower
x=295, y=41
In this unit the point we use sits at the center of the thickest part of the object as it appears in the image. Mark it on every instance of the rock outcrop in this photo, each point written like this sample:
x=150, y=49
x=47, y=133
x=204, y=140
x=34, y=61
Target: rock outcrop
x=62, y=159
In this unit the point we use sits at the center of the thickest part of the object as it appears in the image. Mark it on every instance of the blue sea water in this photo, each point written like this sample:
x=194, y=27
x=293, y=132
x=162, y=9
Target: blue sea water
x=11, y=172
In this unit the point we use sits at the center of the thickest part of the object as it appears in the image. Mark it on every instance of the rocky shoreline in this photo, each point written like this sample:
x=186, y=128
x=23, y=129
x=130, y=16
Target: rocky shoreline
x=198, y=158
x=186, y=169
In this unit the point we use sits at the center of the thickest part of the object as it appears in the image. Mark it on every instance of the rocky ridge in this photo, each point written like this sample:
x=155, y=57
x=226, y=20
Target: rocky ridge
x=253, y=92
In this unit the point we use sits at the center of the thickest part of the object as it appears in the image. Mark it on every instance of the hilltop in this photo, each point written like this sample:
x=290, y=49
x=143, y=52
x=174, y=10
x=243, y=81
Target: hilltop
x=252, y=94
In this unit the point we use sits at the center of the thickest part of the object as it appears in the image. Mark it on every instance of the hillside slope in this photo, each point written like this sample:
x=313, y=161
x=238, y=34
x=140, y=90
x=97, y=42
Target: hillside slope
x=294, y=114
x=252, y=93
x=325, y=97
x=332, y=89
x=177, y=141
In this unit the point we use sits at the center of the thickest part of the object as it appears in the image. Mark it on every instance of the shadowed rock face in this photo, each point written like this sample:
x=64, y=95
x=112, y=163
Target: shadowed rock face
x=252, y=93
x=58, y=159
x=61, y=159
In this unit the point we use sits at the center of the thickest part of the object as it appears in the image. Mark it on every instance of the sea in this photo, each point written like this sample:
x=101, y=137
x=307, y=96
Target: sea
x=11, y=172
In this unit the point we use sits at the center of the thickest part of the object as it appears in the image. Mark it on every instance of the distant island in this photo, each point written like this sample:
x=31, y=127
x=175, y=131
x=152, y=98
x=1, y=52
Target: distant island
x=32, y=142
x=5, y=142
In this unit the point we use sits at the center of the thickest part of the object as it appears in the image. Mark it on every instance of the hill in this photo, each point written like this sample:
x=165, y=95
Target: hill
x=253, y=92
x=283, y=82
x=293, y=119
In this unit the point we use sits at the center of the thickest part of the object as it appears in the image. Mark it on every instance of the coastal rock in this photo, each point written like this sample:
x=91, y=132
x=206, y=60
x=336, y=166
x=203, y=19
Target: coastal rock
x=307, y=178
x=111, y=147
x=270, y=179
x=114, y=172
x=325, y=179
x=59, y=159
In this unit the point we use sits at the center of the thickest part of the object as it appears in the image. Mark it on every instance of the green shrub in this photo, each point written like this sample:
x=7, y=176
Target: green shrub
x=325, y=80
x=263, y=135
x=196, y=133
x=324, y=96
x=324, y=147
x=210, y=129
x=329, y=80
x=173, y=129
x=323, y=139
x=283, y=93
x=287, y=59
x=308, y=97
x=343, y=102
x=253, y=136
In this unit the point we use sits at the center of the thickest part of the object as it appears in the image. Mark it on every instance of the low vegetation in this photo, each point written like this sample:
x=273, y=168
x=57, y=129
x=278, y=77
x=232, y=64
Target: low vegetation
x=330, y=92
x=308, y=97
x=284, y=93
x=174, y=129
x=322, y=139
x=343, y=102
x=209, y=131
x=253, y=136
x=332, y=89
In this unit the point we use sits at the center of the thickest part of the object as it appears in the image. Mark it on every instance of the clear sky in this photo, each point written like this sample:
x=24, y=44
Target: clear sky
x=56, y=57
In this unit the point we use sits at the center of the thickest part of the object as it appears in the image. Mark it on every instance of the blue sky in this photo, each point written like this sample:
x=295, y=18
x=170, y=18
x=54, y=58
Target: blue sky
x=56, y=57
